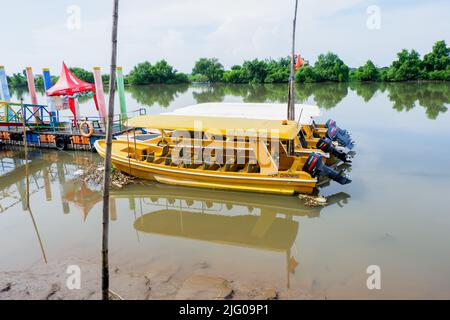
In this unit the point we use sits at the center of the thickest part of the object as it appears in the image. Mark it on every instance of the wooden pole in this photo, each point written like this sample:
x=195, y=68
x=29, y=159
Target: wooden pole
x=291, y=95
x=291, y=102
x=107, y=173
x=27, y=177
x=25, y=146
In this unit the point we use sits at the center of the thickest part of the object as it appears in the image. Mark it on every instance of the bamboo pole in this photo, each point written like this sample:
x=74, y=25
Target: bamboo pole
x=25, y=146
x=291, y=95
x=107, y=172
x=27, y=177
x=291, y=102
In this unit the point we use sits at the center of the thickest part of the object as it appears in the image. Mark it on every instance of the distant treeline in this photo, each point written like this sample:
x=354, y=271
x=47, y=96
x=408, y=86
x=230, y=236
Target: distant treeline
x=18, y=80
x=408, y=66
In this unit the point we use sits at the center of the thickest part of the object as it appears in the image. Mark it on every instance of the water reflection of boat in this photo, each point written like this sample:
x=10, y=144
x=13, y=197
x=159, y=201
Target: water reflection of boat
x=270, y=223
x=194, y=198
x=264, y=231
x=209, y=216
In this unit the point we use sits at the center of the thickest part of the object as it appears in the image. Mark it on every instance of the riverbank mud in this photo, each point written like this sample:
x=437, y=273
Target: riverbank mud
x=55, y=281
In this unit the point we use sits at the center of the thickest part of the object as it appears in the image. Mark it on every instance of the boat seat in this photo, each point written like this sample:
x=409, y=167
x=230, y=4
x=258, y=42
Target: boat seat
x=307, y=131
x=150, y=157
x=302, y=139
x=160, y=156
x=210, y=163
x=168, y=160
x=134, y=153
x=175, y=157
x=196, y=160
x=252, y=168
x=164, y=151
x=143, y=155
x=285, y=163
x=231, y=165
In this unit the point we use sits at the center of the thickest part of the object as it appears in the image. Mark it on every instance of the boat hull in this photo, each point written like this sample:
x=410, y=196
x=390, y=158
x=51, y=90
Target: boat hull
x=284, y=188
x=210, y=179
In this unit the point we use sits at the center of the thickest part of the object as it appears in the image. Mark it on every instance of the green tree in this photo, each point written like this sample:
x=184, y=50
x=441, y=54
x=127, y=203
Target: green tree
x=306, y=73
x=180, y=77
x=367, y=72
x=198, y=78
x=237, y=74
x=437, y=63
x=278, y=71
x=83, y=74
x=329, y=67
x=443, y=75
x=17, y=80
x=105, y=78
x=141, y=74
x=407, y=67
x=211, y=68
x=438, y=59
x=159, y=73
x=162, y=72
x=39, y=81
x=256, y=70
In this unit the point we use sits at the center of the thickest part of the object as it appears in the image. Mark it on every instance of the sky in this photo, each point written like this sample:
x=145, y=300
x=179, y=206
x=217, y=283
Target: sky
x=45, y=33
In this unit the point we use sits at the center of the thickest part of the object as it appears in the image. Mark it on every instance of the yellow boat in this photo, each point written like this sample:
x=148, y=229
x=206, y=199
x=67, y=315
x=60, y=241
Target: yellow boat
x=211, y=152
x=309, y=140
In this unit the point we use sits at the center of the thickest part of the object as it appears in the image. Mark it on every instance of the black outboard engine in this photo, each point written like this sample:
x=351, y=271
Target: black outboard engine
x=315, y=167
x=325, y=144
x=340, y=135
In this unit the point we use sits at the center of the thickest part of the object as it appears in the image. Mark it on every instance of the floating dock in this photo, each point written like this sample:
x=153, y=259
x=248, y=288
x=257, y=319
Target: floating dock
x=46, y=129
x=43, y=125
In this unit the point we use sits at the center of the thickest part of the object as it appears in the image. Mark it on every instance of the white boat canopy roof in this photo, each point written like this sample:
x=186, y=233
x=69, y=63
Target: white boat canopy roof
x=263, y=111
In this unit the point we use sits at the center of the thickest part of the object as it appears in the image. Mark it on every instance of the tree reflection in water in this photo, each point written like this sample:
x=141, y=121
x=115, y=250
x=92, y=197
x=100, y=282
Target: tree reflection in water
x=431, y=96
x=162, y=95
x=404, y=96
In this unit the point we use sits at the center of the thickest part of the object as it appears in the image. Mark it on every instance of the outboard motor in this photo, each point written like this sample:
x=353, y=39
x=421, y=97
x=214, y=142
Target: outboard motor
x=316, y=168
x=325, y=144
x=340, y=135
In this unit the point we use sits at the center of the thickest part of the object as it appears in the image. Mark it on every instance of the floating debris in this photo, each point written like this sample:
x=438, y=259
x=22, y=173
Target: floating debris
x=313, y=201
x=93, y=173
x=78, y=173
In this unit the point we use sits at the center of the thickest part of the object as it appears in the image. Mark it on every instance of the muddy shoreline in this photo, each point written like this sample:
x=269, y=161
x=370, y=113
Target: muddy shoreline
x=157, y=282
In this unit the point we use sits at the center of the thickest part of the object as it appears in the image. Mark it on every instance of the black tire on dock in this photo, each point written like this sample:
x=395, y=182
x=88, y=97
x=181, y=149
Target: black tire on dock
x=61, y=143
